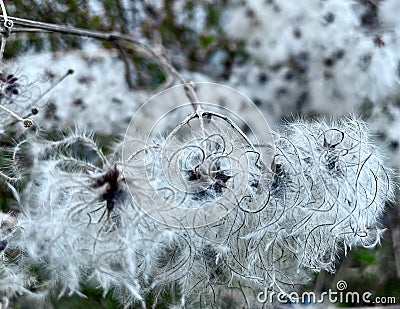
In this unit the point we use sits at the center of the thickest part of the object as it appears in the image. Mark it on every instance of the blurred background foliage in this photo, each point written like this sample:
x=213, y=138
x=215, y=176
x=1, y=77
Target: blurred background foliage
x=192, y=33
x=192, y=40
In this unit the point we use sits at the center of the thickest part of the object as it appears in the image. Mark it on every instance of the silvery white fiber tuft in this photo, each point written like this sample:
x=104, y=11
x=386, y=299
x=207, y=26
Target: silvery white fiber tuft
x=79, y=224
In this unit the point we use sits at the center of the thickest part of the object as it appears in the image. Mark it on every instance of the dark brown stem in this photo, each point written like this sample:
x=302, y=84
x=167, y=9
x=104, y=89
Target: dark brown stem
x=127, y=64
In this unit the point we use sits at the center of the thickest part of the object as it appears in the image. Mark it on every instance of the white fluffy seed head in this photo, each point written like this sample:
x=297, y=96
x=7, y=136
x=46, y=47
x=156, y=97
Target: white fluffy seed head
x=333, y=186
x=79, y=224
x=328, y=191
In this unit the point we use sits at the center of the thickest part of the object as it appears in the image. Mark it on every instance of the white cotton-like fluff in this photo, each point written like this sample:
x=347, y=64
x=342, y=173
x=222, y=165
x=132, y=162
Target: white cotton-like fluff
x=317, y=55
x=385, y=123
x=271, y=92
x=77, y=99
x=13, y=277
x=388, y=13
x=80, y=225
x=328, y=195
x=365, y=72
x=270, y=29
x=335, y=186
x=14, y=281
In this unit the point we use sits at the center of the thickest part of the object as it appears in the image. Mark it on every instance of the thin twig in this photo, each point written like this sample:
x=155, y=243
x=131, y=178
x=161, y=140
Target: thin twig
x=111, y=36
x=7, y=26
x=27, y=122
x=3, y=46
x=34, y=104
x=19, y=30
x=127, y=64
x=73, y=31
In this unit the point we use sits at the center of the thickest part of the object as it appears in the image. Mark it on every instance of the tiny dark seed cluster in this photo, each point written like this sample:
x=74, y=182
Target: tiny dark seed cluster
x=112, y=190
x=8, y=85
